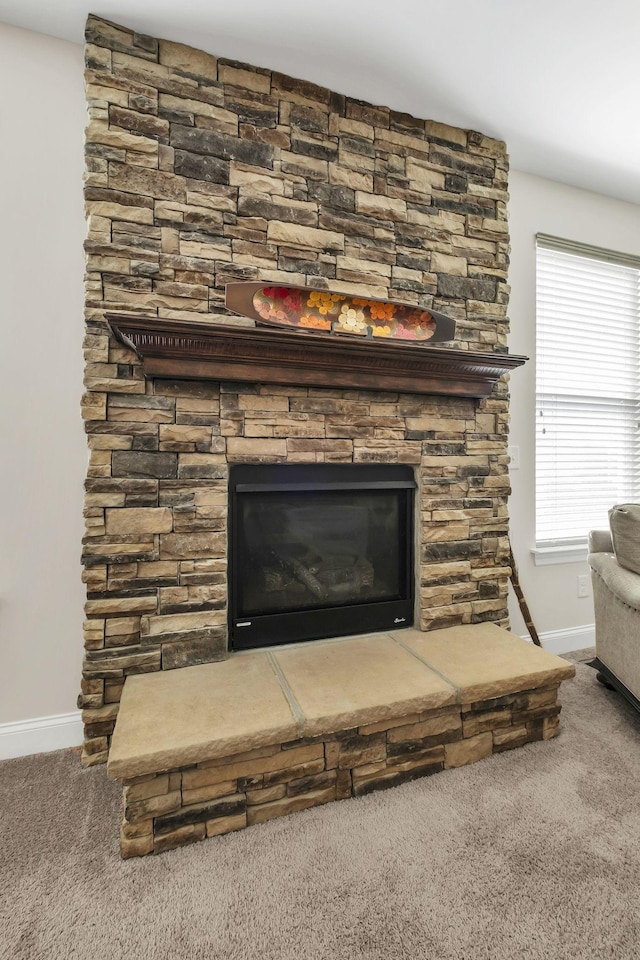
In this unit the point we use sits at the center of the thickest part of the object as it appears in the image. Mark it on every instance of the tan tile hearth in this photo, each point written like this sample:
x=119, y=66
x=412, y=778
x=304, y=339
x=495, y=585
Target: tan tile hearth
x=217, y=747
x=486, y=661
x=358, y=681
x=174, y=717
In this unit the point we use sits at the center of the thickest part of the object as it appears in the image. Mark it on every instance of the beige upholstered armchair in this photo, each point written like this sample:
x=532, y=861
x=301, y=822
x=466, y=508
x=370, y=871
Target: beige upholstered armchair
x=614, y=558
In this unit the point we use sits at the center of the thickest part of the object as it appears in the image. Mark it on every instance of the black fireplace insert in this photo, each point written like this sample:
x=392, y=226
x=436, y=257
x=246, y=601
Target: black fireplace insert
x=319, y=550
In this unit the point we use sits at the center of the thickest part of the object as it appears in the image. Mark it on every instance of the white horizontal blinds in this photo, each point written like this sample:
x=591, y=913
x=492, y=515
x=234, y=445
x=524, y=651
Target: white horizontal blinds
x=587, y=388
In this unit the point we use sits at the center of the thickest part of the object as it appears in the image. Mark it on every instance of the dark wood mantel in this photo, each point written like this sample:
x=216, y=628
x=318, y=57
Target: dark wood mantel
x=200, y=351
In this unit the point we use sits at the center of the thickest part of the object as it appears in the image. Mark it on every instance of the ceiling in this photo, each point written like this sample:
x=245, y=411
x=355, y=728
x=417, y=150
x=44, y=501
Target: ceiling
x=558, y=80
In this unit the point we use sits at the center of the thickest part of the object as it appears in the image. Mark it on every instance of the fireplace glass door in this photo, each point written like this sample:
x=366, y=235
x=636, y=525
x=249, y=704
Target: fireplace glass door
x=319, y=550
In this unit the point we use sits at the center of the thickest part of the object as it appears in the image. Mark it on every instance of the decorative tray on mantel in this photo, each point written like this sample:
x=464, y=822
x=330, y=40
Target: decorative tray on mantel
x=318, y=310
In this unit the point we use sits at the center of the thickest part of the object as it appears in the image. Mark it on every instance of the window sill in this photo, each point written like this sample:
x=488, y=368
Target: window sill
x=573, y=553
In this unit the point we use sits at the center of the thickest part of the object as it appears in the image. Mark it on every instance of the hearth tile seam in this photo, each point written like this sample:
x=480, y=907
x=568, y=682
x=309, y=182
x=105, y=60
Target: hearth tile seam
x=288, y=692
x=426, y=663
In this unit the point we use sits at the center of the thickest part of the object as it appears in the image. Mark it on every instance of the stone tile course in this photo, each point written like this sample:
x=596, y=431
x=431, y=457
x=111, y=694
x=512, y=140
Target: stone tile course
x=487, y=663
x=160, y=722
x=358, y=681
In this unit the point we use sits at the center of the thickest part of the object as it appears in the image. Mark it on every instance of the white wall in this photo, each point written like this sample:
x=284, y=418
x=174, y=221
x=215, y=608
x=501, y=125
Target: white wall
x=42, y=116
x=543, y=206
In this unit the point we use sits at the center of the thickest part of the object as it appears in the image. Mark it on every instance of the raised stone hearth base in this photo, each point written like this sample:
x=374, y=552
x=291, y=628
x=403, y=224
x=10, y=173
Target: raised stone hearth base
x=221, y=746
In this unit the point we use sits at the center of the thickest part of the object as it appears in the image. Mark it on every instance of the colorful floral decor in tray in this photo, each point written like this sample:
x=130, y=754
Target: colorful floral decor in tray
x=306, y=308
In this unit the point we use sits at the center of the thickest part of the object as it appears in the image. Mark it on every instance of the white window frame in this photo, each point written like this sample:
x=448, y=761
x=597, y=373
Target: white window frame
x=571, y=549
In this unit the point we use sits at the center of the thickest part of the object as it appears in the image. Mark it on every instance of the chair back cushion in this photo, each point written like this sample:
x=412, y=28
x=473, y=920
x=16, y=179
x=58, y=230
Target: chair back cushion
x=624, y=520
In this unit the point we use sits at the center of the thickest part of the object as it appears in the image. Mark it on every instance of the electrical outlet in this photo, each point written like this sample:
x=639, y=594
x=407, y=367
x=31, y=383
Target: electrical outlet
x=514, y=455
x=583, y=585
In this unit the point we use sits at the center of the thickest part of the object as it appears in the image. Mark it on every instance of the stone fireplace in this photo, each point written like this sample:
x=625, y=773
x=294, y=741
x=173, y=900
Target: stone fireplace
x=201, y=171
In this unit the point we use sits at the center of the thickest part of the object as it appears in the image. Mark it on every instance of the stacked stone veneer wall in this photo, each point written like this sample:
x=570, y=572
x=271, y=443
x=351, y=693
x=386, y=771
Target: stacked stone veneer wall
x=200, y=171
x=207, y=799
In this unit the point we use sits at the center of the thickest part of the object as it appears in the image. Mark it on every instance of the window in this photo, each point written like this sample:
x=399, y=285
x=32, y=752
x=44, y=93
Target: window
x=587, y=388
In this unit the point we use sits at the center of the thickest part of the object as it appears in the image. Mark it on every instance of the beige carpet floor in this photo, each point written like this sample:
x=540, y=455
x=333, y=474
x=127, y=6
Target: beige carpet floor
x=531, y=854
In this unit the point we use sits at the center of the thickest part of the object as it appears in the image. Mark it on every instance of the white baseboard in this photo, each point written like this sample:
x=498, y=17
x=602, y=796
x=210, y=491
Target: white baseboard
x=41, y=735
x=569, y=639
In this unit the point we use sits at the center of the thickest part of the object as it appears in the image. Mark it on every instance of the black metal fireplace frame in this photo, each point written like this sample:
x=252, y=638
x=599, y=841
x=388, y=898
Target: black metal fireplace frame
x=287, y=627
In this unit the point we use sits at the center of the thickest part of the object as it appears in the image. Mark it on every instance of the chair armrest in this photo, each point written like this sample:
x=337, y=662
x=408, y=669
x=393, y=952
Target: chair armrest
x=600, y=541
x=622, y=583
